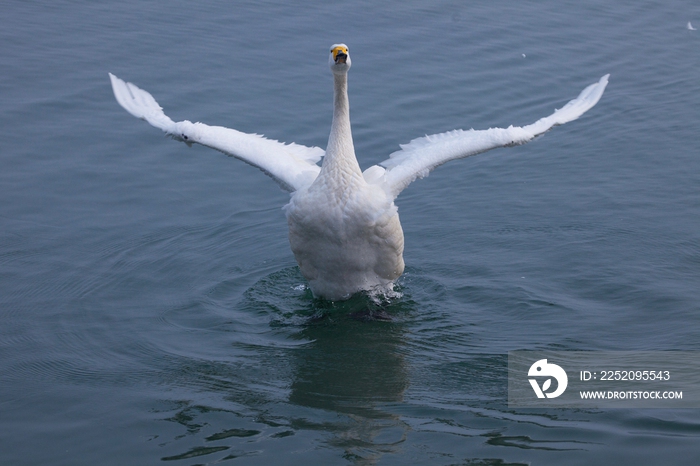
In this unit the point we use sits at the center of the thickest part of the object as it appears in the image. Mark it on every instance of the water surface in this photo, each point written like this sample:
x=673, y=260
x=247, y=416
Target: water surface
x=151, y=310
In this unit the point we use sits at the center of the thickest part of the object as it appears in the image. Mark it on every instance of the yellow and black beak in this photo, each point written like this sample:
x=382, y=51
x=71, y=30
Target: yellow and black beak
x=340, y=55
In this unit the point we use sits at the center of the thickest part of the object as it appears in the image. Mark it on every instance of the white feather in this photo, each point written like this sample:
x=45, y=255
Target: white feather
x=417, y=158
x=291, y=165
x=344, y=227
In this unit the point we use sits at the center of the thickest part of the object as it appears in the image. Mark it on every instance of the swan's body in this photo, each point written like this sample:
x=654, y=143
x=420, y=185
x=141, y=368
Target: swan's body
x=344, y=227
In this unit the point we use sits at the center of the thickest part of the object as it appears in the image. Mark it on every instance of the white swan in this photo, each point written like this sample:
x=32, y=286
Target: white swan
x=344, y=227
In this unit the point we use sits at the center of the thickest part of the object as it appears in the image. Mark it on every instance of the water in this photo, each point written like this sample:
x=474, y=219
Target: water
x=152, y=312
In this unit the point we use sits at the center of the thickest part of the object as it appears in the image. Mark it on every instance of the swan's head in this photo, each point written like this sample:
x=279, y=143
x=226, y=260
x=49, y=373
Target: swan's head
x=339, y=59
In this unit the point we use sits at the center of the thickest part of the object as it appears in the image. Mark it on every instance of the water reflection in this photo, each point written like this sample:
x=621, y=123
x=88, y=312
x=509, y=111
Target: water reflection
x=353, y=365
x=289, y=368
x=349, y=365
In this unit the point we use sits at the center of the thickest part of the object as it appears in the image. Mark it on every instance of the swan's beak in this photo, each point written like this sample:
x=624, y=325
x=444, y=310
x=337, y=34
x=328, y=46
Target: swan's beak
x=340, y=54
x=341, y=57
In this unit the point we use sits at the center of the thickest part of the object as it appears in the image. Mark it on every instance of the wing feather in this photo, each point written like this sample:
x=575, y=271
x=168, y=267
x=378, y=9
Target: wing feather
x=292, y=166
x=417, y=158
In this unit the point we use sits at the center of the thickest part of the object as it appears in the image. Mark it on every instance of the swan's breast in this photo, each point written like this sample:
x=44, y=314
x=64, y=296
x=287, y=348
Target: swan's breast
x=345, y=243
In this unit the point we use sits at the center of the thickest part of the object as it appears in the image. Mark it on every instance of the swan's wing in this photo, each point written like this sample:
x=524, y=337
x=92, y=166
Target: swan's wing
x=417, y=158
x=290, y=165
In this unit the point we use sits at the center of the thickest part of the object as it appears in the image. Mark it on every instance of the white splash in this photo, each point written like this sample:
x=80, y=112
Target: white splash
x=690, y=27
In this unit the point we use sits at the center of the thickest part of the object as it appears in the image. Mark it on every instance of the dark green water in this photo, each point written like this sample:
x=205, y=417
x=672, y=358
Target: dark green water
x=152, y=313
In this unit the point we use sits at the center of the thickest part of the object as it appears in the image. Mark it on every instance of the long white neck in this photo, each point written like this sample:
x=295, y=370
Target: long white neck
x=340, y=162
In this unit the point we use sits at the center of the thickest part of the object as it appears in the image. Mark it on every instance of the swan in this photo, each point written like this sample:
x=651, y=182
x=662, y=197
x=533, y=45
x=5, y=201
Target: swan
x=344, y=227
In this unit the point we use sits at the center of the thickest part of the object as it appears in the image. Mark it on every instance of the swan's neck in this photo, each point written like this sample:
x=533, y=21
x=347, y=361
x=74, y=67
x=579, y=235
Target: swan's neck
x=340, y=162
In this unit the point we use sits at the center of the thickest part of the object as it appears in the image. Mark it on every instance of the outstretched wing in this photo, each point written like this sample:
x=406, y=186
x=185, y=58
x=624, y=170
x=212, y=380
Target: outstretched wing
x=290, y=165
x=417, y=158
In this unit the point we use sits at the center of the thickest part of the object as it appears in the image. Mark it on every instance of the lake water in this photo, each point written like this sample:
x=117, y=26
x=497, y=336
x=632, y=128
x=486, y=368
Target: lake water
x=151, y=311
